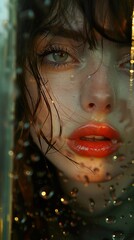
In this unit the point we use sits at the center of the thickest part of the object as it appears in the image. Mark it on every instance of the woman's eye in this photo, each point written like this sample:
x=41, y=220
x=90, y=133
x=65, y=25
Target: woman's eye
x=58, y=57
x=124, y=64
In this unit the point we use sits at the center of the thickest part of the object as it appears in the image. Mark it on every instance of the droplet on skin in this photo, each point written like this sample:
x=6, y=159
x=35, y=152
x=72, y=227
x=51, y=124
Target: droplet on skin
x=112, y=192
x=108, y=176
x=96, y=170
x=118, y=236
x=117, y=202
x=114, y=158
x=74, y=192
x=121, y=158
x=132, y=161
x=130, y=199
x=91, y=205
x=86, y=180
x=110, y=220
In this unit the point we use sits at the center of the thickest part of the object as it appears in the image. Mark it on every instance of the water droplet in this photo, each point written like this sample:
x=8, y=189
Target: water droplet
x=74, y=192
x=35, y=158
x=96, y=170
x=130, y=199
x=117, y=202
x=19, y=156
x=133, y=161
x=16, y=219
x=28, y=171
x=72, y=76
x=91, y=205
x=26, y=143
x=13, y=175
x=114, y=158
x=46, y=192
x=57, y=211
x=86, y=180
x=118, y=236
x=11, y=153
x=73, y=224
x=107, y=202
x=26, y=125
x=112, y=192
x=124, y=190
x=110, y=220
x=130, y=214
x=108, y=176
x=64, y=201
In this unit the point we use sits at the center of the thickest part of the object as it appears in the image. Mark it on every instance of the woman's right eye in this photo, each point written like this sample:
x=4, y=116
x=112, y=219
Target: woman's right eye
x=58, y=58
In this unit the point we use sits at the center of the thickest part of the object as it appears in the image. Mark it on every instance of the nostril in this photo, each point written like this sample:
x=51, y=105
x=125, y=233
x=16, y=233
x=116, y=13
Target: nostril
x=91, y=105
x=108, y=107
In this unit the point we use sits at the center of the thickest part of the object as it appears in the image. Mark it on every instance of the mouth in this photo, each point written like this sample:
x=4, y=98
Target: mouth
x=94, y=140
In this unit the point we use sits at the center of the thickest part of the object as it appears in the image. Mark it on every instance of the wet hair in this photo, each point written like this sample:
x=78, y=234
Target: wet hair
x=110, y=18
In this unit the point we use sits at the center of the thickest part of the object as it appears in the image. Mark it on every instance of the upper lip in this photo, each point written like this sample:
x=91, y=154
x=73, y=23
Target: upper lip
x=96, y=130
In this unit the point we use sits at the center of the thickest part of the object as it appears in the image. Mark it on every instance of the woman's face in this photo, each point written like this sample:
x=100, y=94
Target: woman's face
x=92, y=111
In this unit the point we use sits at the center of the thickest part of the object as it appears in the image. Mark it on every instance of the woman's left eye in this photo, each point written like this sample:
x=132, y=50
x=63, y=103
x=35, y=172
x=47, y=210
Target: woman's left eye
x=124, y=64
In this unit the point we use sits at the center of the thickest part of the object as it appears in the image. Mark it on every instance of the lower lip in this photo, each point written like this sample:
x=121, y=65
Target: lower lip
x=97, y=149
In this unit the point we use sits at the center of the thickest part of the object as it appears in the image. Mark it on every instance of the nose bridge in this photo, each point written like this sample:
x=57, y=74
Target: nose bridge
x=98, y=93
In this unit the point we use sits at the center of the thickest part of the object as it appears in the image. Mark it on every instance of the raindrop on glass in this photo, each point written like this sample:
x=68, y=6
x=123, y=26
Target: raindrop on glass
x=28, y=171
x=46, y=192
x=19, y=156
x=118, y=236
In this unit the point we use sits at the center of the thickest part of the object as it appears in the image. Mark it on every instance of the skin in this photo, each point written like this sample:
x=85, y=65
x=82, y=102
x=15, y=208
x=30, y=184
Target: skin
x=81, y=88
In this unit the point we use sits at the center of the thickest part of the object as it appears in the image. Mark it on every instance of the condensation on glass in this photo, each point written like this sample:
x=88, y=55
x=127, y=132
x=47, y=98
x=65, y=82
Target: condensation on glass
x=7, y=77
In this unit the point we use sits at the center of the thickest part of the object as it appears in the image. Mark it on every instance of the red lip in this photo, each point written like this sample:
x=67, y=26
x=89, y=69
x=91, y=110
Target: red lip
x=95, y=140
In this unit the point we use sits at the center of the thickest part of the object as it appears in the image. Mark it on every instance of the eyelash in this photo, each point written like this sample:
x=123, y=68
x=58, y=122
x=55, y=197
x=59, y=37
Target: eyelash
x=55, y=50
x=123, y=63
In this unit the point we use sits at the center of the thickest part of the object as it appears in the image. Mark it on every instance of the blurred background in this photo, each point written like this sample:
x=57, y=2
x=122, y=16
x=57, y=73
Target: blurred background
x=7, y=97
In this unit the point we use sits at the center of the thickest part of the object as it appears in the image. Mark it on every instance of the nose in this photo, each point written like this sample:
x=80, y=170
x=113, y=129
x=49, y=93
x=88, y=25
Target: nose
x=97, y=94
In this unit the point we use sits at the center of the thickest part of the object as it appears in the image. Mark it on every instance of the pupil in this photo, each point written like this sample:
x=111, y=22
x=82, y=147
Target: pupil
x=60, y=57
